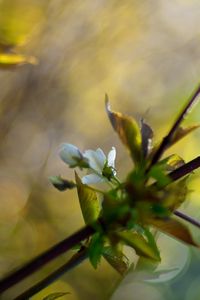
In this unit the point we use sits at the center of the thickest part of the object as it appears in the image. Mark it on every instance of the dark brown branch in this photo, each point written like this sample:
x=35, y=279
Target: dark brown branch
x=45, y=257
x=187, y=218
x=185, y=169
x=82, y=234
x=167, y=139
x=73, y=262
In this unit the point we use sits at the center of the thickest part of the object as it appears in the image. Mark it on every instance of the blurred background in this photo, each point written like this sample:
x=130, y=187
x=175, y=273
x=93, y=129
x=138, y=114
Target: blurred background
x=146, y=56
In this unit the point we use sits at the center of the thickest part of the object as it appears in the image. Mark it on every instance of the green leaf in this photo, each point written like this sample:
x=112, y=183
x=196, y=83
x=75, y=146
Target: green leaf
x=116, y=259
x=61, y=184
x=13, y=60
x=88, y=200
x=54, y=296
x=158, y=173
x=139, y=243
x=151, y=240
x=95, y=249
x=175, y=229
x=147, y=136
x=182, y=132
x=128, y=131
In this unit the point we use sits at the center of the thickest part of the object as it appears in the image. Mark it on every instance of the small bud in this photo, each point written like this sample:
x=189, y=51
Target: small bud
x=71, y=155
x=62, y=184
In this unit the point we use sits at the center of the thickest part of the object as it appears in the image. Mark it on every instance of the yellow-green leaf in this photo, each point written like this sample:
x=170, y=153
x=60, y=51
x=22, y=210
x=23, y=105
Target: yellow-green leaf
x=116, y=259
x=172, y=162
x=128, y=131
x=88, y=200
x=174, y=228
x=139, y=243
x=13, y=60
x=175, y=194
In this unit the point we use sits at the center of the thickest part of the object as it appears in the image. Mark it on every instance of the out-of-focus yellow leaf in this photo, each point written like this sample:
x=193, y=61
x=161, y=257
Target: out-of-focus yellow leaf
x=14, y=60
x=88, y=201
x=138, y=242
x=128, y=131
x=175, y=229
x=18, y=20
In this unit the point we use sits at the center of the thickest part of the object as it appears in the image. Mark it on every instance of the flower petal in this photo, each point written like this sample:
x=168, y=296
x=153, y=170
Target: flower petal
x=92, y=178
x=111, y=157
x=67, y=153
x=96, y=159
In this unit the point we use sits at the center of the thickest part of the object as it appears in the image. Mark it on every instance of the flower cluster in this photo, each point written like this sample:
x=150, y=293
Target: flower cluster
x=148, y=196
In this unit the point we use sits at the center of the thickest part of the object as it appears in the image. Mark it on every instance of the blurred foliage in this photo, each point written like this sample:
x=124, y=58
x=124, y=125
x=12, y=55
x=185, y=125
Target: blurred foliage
x=145, y=55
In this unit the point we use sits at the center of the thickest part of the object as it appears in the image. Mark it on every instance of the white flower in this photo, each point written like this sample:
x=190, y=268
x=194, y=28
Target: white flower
x=101, y=168
x=71, y=155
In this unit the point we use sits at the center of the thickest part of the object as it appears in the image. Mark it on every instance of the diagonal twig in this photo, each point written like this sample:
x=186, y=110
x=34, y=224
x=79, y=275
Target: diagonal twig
x=187, y=218
x=82, y=234
x=73, y=262
x=45, y=257
x=185, y=169
x=167, y=139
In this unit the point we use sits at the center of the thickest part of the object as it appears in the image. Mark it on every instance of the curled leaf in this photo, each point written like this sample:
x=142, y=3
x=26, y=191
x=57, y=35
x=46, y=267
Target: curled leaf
x=128, y=131
x=88, y=200
x=12, y=60
x=174, y=228
x=54, y=296
x=116, y=259
x=147, y=136
x=182, y=132
x=140, y=244
x=61, y=184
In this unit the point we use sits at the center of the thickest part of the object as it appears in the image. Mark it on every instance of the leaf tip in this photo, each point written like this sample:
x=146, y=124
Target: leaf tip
x=107, y=103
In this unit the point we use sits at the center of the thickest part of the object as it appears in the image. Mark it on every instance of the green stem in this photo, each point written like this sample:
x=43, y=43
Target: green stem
x=116, y=180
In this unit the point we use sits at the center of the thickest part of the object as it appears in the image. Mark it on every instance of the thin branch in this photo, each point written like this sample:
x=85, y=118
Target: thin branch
x=187, y=218
x=47, y=256
x=73, y=262
x=185, y=169
x=167, y=139
x=82, y=234
x=76, y=260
